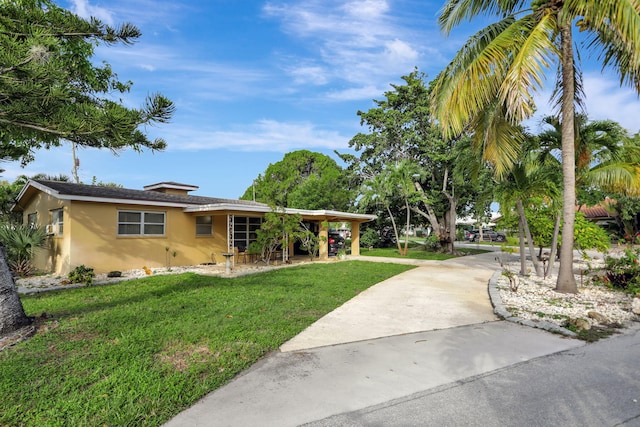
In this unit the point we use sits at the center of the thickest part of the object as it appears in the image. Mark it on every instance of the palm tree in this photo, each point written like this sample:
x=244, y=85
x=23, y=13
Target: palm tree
x=605, y=156
x=529, y=177
x=506, y=61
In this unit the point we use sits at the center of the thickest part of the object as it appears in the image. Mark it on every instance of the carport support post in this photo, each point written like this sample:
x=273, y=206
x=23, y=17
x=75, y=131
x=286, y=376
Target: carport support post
x=355, y=238
x=323, y=235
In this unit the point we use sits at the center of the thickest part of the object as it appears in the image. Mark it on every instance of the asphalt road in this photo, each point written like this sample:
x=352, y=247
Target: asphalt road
x=593, y=385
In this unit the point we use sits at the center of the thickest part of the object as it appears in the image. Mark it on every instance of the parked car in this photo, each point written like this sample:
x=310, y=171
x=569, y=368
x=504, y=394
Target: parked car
x=336, y=242
x=487, y=235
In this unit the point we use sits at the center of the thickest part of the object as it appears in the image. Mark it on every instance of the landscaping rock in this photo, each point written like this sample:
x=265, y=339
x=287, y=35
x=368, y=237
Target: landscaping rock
x=580, y=324
x=600, y=318
x=635, y=306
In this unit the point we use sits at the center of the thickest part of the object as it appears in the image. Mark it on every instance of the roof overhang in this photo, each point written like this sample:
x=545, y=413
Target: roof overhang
x=305, y=213
x=60, y=196
x=326, y=215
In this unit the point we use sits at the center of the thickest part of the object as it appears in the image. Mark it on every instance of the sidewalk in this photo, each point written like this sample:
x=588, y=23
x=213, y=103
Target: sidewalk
x=425, y=328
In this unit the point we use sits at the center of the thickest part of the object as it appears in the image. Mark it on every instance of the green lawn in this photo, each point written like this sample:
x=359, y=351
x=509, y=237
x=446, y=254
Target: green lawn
x=139, y=352
x=417, y=253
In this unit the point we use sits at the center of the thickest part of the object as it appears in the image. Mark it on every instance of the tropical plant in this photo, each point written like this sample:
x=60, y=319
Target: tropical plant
x=21, y=242
x=623, y=272
x=276, y=230
x=606, y=157
x=402, y=130
x=309, y=241
x=82, y=274
x=494, y=77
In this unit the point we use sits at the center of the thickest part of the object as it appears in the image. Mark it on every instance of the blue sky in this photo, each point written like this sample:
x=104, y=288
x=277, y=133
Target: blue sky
x=255, y=79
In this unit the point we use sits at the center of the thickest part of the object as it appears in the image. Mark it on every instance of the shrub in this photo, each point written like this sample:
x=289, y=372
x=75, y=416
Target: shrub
x=82, y=274
x=370, y=238
x=623, y=272
x=21, y=242
x=432, y=243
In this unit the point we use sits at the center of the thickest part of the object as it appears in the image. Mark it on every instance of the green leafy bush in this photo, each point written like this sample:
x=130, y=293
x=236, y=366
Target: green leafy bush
x=432, y=243
x=21, y=242
x=589, y=235
x=82, y=274
x=370, y=238
x=623, y=272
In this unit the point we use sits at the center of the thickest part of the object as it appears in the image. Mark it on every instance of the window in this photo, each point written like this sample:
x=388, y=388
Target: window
x=244, y=230
x=57, y=221
x=135, y=223
x=32, y=220
x=204, y=225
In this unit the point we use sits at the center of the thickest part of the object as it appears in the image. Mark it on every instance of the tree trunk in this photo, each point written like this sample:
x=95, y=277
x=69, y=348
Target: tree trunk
x=532, y=250
x=566, y=280
x=395, y=231
x=523, y=254
x=406, y=234
x=554, y=244
x=453, y=203
x=12, y=316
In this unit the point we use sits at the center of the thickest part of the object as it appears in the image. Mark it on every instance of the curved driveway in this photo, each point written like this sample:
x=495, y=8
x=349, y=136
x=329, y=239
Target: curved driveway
x=435, y=295
x=433, y=328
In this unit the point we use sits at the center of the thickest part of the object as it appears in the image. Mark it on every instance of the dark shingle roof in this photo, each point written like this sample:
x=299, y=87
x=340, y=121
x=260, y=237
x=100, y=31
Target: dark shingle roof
x=83, y=190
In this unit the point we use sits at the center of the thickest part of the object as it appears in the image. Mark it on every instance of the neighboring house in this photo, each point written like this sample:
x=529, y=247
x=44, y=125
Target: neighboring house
x=111, y=228
x=601, y=214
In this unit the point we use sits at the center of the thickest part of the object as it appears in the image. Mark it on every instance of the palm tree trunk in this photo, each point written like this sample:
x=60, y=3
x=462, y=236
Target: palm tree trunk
x=566, y=280
x=395, y=231
x=554, y=244
x=532, y=250
x=406, y=234
x=12, y=316
x=523, y=255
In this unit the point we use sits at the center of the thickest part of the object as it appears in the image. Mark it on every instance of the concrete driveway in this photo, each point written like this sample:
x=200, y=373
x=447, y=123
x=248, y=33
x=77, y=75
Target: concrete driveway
x=426, y=328
x=435, y=295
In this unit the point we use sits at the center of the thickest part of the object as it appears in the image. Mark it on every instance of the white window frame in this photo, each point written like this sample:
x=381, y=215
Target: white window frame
x=57, y=221
x=142, y=223
x=202, y=225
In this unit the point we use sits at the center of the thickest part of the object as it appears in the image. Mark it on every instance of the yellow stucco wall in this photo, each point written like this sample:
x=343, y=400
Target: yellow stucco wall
x=96, y=242
x=55, y=255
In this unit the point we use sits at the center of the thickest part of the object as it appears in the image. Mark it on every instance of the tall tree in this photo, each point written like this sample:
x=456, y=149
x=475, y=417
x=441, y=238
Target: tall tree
x=506, y=61
x=51, y=91
x=304, y=180
x=402, y=129
x=606, y=157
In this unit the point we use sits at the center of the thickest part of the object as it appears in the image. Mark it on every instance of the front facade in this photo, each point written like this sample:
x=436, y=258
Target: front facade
x=121, y=229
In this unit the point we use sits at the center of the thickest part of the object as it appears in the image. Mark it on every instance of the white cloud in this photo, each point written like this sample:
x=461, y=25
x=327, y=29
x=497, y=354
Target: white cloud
x=85, y=10
x=605, y=100
x=262, y=135
x=357, y=41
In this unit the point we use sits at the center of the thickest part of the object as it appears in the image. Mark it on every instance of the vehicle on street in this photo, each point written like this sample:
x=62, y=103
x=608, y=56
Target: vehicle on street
x=336, y=242
x=487, y=236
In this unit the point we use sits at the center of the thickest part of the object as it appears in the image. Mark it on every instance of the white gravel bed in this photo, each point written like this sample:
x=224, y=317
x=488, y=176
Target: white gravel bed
x=537, y=300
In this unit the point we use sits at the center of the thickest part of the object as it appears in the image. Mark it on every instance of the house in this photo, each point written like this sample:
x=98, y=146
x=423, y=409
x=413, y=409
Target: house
x=109, y=228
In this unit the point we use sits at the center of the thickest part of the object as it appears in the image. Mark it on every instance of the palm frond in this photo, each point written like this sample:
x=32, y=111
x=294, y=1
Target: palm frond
x=498, y=139
x=615, y=34
x=534, y=51
x=454, y=12
x=471, y=80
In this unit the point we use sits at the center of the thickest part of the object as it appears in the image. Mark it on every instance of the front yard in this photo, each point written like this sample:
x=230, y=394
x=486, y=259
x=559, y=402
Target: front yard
x=139, y=352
